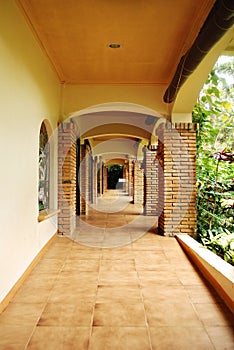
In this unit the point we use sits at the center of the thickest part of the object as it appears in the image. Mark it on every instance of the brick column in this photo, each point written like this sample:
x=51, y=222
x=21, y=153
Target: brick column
x=95, y=181
x=67, y=177
x=105, y=178
x=84, y=179
x=138, y=184
x=100, y=177
x=125, y=177
x=130, y=178
x=177, y=178
x=151, y=183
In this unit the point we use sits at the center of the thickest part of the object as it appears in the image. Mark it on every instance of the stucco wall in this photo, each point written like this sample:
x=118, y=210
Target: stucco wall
x=78, y=97
x=29, y=93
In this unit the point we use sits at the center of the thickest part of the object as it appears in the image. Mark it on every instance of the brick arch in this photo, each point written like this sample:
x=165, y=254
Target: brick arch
x=175, y=159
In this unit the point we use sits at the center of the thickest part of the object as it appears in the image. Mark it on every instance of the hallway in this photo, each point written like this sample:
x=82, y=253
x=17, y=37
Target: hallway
x=120, y=289
x=113, y=222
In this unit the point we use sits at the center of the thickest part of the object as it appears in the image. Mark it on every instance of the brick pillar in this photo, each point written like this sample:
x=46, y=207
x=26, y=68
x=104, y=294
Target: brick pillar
x=130, y=178
x=95, y=181
x=151, y=183
x=99, y=177
x=90, y=178
x=84, y=179
x=125, y=177
x=67, y=135
x=138, y=184
x=177, y=178
x=105, y=178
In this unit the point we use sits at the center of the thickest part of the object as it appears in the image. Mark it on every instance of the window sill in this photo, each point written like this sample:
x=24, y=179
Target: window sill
x=47, y=213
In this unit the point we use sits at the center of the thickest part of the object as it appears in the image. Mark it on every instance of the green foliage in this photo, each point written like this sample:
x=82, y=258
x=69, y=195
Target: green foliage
x=221, y=244
x=215, y=165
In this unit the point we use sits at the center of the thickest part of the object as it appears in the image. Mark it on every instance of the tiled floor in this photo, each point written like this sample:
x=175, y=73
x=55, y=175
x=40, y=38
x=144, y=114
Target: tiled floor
x=145, y=295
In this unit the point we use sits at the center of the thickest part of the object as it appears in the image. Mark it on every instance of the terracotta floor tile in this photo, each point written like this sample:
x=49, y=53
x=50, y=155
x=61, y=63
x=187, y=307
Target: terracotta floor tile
x=145, y=247
x=180, y=338
x=72, y=315
x=118, y=277
x=124, y=249
x=202, y=294
x=150, y=256
x=14, y=337
x=122, y=338
x=59, y=338
x=119, y=314
x=71, y=294
x=41, y=280
x=136, y=235
x=117, y=242
x=170, y=245
x=169, y=313
x=62, y=241
x=49, y=266
x=80, y=247
x=79, y=277
x=120, y=293
x=84, y=253
x=186, y=267
x=159, y=277
x=214, y=314
x=118, y=286
x=153, y=266
x=159, y=293
x=118, y=232
x=190, y=278
x=119, y=253
x=91, y=241
x=176, y=255
x=117, y=265
x=115, y=223
x=21, y=314
x=32, y=294
x=73, y=287
x=54, y=252
x=222, y=337
x=91, y=265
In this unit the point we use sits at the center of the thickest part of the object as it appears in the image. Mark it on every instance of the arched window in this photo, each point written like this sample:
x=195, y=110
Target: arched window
x=44, y=169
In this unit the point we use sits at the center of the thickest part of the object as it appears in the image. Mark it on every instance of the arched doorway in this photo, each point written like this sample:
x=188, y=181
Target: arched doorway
x=108, y=132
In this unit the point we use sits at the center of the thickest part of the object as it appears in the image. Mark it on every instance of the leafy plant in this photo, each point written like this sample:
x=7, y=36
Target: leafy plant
x=214, y=112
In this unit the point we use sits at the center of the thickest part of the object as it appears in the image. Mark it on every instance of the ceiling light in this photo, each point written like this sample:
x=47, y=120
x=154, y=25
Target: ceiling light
x=114, y=46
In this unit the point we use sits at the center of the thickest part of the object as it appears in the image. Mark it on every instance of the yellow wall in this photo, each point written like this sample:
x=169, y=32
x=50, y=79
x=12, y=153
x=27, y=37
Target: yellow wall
x=78, y=97
x=29, y=93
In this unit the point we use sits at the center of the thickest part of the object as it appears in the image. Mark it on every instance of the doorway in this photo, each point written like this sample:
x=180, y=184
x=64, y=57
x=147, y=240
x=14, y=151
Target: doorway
x=115, y=173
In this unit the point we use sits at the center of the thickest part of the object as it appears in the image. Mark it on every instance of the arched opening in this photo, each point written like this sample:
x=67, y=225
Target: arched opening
x=114, y=176
x=109, y=156
x=44, y=185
